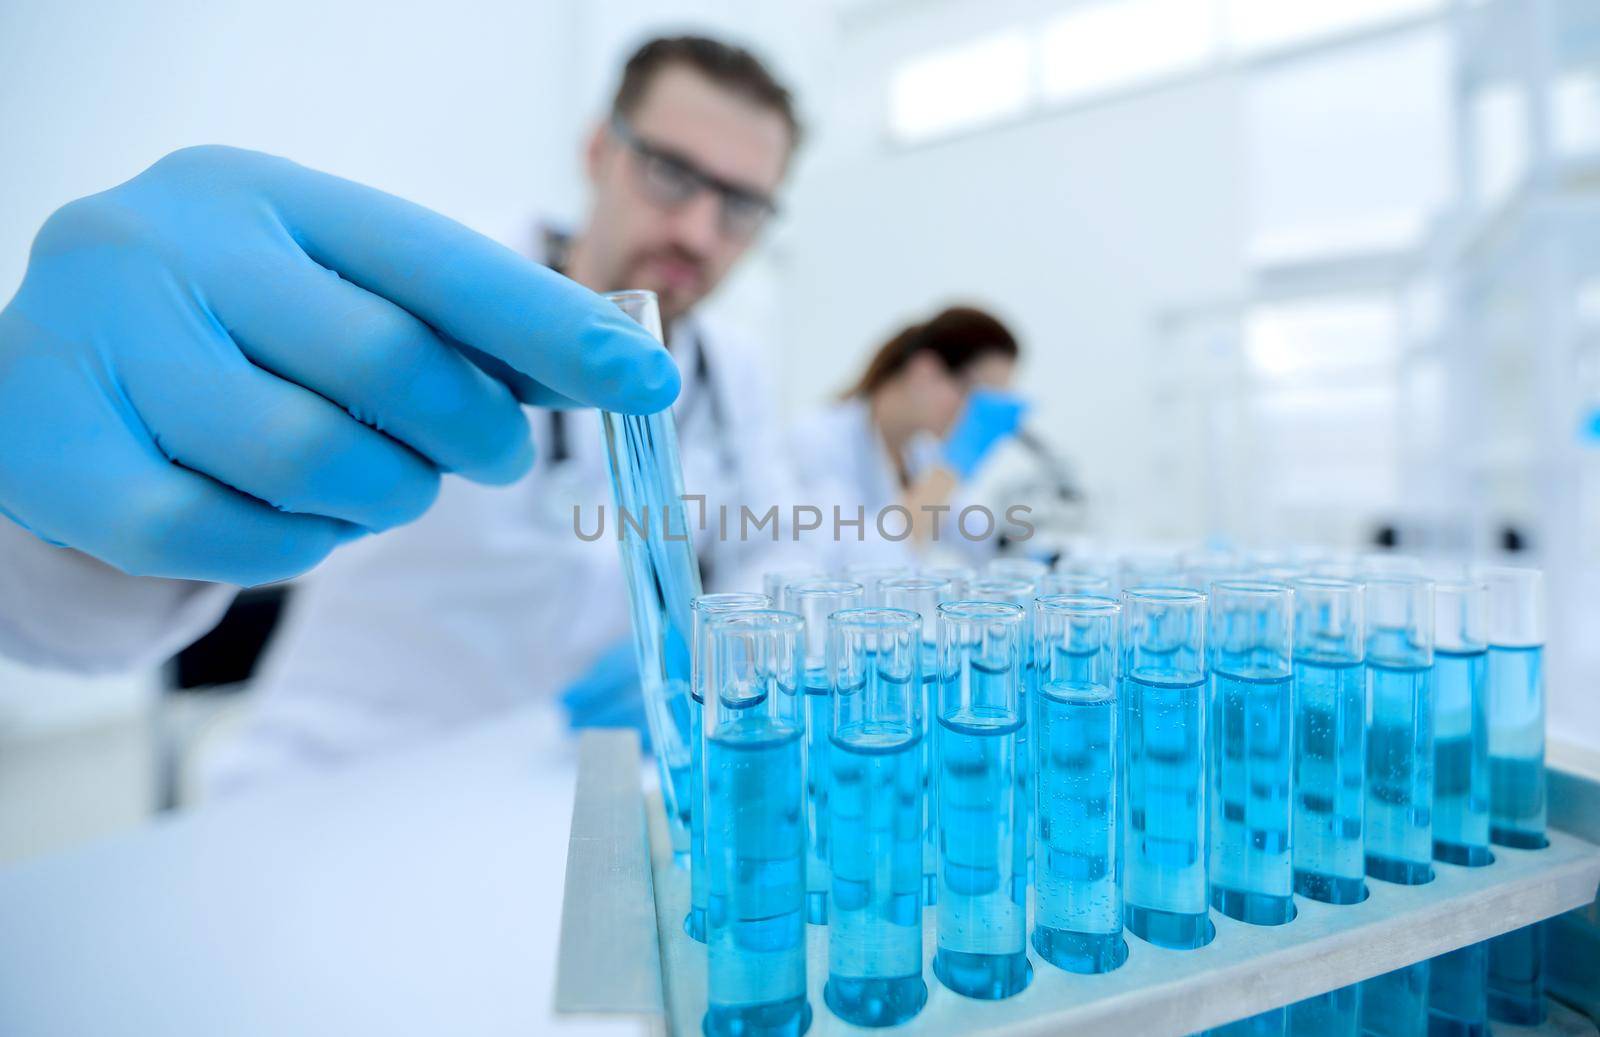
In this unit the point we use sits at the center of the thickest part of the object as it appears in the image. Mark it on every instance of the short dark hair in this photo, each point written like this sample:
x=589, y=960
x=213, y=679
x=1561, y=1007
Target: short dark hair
x=730, y=67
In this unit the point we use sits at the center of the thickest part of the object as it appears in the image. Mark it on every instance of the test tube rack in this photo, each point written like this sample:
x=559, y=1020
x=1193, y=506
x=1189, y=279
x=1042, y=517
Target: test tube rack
x=624, y=951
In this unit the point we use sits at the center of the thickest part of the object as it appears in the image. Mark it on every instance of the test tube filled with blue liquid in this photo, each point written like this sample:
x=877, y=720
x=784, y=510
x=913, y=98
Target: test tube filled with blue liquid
x=1078, y=854
x=983, y=931
x=1166, y=880
x=1516, y=774
x=755, y=828
x=814, y=601
x=875, y=817
x=1395, y=1004
x=663, y=578
x=1330, y=740
x=704, y=608
x=1252, y=750
x=923, y=595
x=1400, y=683
x=775, y=581
x=1458, y=993
x=1334, y=1014
x=1018, y=592
x=1461, y=725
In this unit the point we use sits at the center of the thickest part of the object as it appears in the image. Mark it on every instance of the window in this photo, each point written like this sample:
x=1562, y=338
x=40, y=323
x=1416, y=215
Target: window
x=1257, y=25
x=960, y=87
x=1119, y=43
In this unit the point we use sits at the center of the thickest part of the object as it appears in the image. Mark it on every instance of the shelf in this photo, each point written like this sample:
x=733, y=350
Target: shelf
x=1245, y=970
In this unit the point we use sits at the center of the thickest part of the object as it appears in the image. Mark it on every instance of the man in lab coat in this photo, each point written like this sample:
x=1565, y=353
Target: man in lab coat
x=491, y=599
x=221, y=371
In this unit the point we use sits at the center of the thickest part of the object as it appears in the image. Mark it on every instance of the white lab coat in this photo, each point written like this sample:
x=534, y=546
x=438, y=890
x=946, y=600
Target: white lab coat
x=488, y=600
x=842, y=462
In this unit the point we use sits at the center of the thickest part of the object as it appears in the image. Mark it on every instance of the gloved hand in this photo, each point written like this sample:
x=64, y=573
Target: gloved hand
x=230, y=364
x=990, y=416
x=609, y=694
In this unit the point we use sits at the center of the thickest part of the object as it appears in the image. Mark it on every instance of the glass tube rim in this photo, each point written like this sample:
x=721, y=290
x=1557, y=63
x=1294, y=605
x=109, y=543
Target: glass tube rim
x=877, y=617
x=768, y=620
x=1163, y=595
x=722, y=601
x=1327, y=583
x=968, y=611
x=1011, y=584
x=1078, y=604
x=1266, y=590
x=824, y=585
x=915, y=583
x=632, y=295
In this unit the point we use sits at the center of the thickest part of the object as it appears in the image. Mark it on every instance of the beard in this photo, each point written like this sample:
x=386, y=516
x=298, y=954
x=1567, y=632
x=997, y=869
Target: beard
x=678, y=277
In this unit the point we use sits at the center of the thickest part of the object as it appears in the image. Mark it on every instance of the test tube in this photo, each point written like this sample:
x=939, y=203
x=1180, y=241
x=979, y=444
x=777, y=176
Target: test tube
x=1330, y=734
x=870, y=576
x=1334, y=1014
x=1252, y=750
x=1078, y=859
x=755, y=828
x=775, y=581
x=958, y=576
x=923, y=595
x=1164, y=712
x=1395, y=1004
x=1400, y=689
x=1516, y=774
x=983, y=933
x=1461, y=724
x=1458, y=992
x=1016, y=568
x=663, y=577
x=1020, y=592
x=1076, y=584
x=875, y=815
x=1148, y=569
x=704, y=608
x=815, y=601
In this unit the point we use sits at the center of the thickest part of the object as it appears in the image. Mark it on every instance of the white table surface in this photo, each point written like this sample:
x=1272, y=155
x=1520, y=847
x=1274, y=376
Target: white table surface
x=419, y=893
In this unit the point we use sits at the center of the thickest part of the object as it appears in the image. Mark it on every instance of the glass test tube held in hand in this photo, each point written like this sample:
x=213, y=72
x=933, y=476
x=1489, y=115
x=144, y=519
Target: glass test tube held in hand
x=1516, y=774
x=1078, y=856
x=1252, y=750
x=983, y=932
x=923, y=595
x=1400, y=688
x=814, y=601
x=704, y=608
x=1164, y=715
x=1461, y=724
x=1330, y=734
x=663, y=577
x=875, y=817
x=755, y=828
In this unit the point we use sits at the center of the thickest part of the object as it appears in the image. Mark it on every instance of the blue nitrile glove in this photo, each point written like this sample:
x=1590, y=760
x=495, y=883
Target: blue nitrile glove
x=230, y=364
x=990, y=416
x=608, y=695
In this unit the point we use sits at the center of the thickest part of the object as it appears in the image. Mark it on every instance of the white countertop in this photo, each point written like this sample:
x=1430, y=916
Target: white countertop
x=419, y=893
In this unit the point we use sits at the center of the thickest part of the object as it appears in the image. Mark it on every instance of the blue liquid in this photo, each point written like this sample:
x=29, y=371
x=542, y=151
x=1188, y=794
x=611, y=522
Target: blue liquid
x=1164, y=841
x=1252, y=876
x=875, y=940
x=1396, y=1003
x=1334, y=1014
x=1400, y=774
x=1022, y=831
x=755, y=855
x=1077, y=896
x=1516, y=747
x=1458, y=1003
x=1330, y=765
x=1271, y=1023
x=695, y=923
x=930, y=779
x=1517, y=818
x=1461, y=758
x=1516, y=976
x=982, y=947
x=663, y=578
x=819, y=725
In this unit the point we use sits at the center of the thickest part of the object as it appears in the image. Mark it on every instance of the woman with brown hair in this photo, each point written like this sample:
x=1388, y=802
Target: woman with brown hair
x=932, y=403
